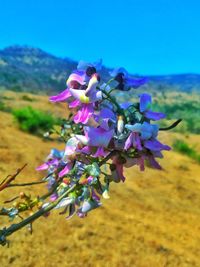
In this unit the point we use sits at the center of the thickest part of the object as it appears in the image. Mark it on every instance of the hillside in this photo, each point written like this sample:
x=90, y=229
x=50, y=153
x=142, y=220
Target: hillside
x=33, y=70
x=24, y=68
x=152, y=220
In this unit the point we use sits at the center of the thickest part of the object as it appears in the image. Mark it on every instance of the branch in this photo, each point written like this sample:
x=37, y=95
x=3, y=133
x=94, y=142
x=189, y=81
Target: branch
x=26, y=184
x=6, y=182
x=14, y=227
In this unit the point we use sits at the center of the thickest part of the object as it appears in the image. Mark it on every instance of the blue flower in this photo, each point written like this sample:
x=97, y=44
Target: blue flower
x=145, y=102
x=89, y=68
x=126, y=81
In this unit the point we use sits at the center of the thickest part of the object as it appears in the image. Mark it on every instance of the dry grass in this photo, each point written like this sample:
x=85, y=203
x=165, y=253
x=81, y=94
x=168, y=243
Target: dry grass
x=152, y=220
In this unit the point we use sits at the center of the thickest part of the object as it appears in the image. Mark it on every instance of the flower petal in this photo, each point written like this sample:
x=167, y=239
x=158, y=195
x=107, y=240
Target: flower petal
x=66, y=170
x=98, y=136
x=145, y=101
x=55, y=153
x=93, y=82
x=76, y=77
x=64, y=202
x=155, y=145
x=84, y=113
x=89, y=205
x=153, y=163
x=83, y=65
x=61, y=97
x=154, y=115
x=100, y=153
x=80, y=95
x=74, y=103
x=43, y=167
x=135, y=83
x=129, y=142
x=136, y=128
x=137, y=142
x=117, y=71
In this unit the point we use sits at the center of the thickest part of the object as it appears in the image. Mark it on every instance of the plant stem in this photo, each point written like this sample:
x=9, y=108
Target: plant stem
x=171, y=126
x=14, y=227
x=29, y=220
x=112, y=99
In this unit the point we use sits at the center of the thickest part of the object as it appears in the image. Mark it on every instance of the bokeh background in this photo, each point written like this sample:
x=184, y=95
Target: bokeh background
x=153, y=219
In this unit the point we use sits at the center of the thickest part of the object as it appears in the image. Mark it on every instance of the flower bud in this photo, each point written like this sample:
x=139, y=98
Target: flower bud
x=120, y=125
x=105, y=194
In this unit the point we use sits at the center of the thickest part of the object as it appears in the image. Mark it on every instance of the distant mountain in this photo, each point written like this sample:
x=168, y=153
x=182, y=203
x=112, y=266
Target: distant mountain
x=180, y=82
x=24, y=68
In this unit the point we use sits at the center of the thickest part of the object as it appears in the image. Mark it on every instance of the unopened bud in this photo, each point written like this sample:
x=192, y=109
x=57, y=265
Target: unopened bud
x=120, y=125
x=105, y=194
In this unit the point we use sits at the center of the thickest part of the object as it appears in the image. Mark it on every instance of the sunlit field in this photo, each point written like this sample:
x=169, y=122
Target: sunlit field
x=152, y=220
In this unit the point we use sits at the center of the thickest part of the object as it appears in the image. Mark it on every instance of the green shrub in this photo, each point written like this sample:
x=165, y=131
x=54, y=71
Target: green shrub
x=186, y=109
x=3, y=107
x=27, y=98
x=34, y=121
x=184, y=148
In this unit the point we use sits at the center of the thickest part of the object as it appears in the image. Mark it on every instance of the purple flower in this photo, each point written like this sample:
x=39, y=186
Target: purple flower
x=126, y=81
x=66, y=169
x=106, y=118
x=61, y=97
x=90, y=94
x=90, y=68
x=142, y=137
x=75, y=81
x=133, y=141
x=98, y=137
x=54, y=196
x=100, y=153
x=155, y=145
x=153, y=163
x=52, y=161
x=84, y=114
x=145, y=129
x=145, y=102
x=49, y=164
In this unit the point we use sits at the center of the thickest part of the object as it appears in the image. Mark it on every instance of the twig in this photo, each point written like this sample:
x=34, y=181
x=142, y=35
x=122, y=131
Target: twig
x=26, y=184
x=14, y=227
x=11, y=200
x=8, y=180
x=171, y=126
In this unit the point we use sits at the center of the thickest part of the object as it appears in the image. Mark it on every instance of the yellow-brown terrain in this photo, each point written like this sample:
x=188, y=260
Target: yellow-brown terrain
x=152, y=220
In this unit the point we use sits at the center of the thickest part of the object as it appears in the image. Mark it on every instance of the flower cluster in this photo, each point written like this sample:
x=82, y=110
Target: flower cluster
x=102, y=137
x=110, y=134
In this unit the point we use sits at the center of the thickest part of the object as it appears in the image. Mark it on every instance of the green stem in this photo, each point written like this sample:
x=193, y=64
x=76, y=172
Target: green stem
x=120, y=111
x=14, y=227
x=113, y=100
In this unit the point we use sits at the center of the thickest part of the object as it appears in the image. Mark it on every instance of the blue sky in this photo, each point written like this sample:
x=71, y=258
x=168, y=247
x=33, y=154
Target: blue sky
x=146, y=37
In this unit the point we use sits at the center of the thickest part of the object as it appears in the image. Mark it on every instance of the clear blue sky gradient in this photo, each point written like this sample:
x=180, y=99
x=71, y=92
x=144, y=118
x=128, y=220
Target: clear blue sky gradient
x=146, y=37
